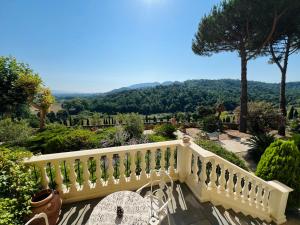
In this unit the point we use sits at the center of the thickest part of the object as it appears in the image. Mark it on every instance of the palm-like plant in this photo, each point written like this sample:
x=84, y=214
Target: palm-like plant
x=259, y=143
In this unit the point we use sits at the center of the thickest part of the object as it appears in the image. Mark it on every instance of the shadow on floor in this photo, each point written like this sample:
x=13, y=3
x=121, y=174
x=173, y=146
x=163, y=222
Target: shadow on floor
x=188, y=211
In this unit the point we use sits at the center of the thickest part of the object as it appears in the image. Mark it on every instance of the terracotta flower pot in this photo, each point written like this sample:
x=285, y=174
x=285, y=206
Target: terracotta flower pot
x=47, y=201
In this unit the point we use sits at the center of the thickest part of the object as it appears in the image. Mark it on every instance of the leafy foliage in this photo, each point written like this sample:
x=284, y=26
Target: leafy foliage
x=183, y=97
x=281, y=161
x=17, y=84
x=134, y=125
x=296, y=139
x=259, y=143
x=262, y=117
x=222, y=152
x=165, y=130
x=14, y=132
x=16, y=187
x=211, y=123
x=58, y=138
x=157, y=138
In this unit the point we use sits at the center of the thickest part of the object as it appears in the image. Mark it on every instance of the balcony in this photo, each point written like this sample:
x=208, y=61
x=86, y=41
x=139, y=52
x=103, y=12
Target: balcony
x=212, y=188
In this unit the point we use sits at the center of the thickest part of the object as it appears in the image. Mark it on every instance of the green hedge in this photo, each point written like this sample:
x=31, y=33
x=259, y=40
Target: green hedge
x=281, y=161
x=222, y=152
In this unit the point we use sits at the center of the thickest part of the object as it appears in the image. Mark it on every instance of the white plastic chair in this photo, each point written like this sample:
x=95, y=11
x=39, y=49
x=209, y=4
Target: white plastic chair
x=160, y=198
x=38, y=216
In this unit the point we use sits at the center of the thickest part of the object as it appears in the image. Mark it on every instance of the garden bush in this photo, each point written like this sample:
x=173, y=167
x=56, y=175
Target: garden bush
x=156, y=138
x=211, y=124
x=262, y=117
x=16, y=187
x=165, y=130
x=134, y=125
x=222, y=152
x=296, y=138
x=295, y=126
x=14, y=131
x=259, y=143
x=281, y=161
x=58, y=138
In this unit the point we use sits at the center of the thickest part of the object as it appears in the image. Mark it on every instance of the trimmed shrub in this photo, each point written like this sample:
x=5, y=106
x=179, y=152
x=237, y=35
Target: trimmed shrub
x=165, y=130
x=14, y=132
x=222, y=152
x=16, y=187
x=259, y=143
x=281, y=161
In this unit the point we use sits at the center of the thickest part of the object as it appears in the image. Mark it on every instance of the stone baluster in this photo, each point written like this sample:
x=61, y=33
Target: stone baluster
x=265, y=199
x=203, y=174
x=110, y=171
x=195, y=169
x=222, y=180
x=162, y=159
x=245, y=189
x=122, y=168
x=259, y=196
x=252, y=193
x=172, y=162
x=143, y=175
x=229, y=185
x=132, y=166
x=44, y=177
x=238, y=186
x=58, y=177
x=73, y=176
x=212, y=175
x=86, y=174
x=98, y=172
x=153, y=164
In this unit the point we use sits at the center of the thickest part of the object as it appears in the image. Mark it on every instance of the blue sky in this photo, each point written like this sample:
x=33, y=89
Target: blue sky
x=99, y=45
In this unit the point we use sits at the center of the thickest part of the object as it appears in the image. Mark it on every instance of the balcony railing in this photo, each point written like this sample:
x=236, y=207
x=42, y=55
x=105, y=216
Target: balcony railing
x=88, y=174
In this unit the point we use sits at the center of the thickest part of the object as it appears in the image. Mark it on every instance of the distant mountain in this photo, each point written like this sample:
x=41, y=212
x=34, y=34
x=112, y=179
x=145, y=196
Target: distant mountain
x=65, y=94
x=139, y=86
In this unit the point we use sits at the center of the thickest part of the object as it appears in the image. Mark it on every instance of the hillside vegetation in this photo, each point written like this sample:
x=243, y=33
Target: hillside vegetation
x=185, y=96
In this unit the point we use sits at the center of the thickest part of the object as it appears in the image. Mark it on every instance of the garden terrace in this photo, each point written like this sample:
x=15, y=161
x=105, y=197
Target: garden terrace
x=92, y=174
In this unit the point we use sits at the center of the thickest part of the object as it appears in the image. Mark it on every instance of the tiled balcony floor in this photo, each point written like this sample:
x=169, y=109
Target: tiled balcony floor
x=189, y=211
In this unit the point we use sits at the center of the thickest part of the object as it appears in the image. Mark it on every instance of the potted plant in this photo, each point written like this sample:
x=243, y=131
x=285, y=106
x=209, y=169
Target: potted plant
x=47, y=201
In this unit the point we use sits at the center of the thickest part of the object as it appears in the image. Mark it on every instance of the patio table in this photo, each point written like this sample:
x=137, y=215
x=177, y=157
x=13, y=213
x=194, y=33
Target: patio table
x=136, y=210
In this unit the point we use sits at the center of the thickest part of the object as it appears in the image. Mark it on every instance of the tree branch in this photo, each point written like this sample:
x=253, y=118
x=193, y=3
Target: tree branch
x=275, y=58
x=274, y=24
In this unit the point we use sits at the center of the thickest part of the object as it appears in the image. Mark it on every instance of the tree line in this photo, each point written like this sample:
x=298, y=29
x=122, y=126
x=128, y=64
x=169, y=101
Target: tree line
x=182, y=97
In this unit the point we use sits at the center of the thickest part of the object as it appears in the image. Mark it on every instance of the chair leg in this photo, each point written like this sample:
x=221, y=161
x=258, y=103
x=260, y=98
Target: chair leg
x=168, y=219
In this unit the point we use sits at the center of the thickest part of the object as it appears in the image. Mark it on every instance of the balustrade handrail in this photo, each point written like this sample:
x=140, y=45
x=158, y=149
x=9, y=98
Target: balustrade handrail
x=209, y=155
x=102, y=151
x=265, y=199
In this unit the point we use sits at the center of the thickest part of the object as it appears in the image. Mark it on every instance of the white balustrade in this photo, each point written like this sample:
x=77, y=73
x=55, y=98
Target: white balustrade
x=210, y=177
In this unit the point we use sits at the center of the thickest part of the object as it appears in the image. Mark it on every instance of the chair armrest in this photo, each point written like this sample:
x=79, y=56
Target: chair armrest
x=141, y=188
x=37, y=216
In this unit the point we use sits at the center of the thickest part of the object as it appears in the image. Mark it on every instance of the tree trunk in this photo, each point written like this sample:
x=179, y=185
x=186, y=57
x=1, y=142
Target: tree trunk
x=244, y=94
x=42, y=119
x=283, y=112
